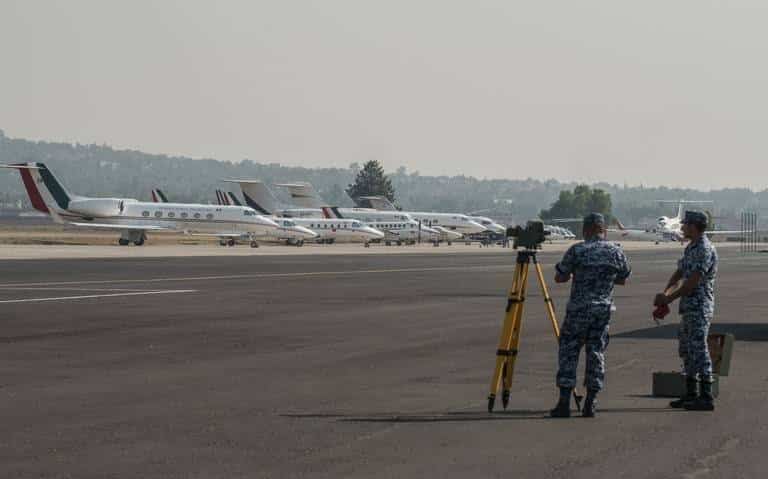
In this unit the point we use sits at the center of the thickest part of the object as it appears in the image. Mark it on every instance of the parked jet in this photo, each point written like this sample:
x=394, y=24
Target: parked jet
x=134, y=218
x=258, y=196
x=667, y=228
x=287, y=231
x=305, y=196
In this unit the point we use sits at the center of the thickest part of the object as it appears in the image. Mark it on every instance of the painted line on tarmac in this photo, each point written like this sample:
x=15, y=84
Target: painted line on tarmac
x=65, y=288
x=92, y=296
x=264, y=275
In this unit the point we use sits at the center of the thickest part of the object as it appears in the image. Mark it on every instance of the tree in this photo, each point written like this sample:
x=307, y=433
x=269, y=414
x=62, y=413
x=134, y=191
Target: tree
x=578, y=203
x=371, y=181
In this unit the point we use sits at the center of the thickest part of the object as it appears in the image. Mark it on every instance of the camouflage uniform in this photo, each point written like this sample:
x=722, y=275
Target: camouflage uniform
x=697, y=309
x=595, y=265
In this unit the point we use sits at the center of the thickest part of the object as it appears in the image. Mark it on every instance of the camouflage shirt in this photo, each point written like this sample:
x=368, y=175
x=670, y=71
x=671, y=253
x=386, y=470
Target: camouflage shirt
x=596, y=265
x=700, y=256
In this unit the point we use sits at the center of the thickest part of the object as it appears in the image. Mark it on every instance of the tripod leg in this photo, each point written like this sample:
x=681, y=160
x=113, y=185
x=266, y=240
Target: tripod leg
x=515, y=339
x=553, y=319
x=503, y=351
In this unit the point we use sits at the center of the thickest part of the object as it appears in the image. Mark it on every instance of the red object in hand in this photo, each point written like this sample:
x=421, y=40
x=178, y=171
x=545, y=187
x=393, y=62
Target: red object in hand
x=661, y=311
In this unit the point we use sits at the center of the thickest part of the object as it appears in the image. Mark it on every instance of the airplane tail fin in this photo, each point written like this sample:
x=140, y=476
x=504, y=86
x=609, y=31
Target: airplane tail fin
x=233, y=199
x=304, y=195
x=256, y=195
x=45, y=191
x=331, y=212
x=158, y=196
x=375, y=202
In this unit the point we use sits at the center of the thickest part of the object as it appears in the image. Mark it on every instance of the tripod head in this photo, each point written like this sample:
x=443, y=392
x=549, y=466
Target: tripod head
x=530, y=238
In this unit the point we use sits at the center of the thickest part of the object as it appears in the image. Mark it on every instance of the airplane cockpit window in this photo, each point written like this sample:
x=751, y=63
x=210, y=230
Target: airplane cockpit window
x=356, y=224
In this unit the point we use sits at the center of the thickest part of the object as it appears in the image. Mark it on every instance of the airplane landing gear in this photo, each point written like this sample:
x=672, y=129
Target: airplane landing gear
x=136, y=237
x=254, y=244
x=231, y=242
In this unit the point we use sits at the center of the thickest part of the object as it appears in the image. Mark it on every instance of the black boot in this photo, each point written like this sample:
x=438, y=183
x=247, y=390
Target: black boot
x=691, y=393
x=705, y=401
x=563, y=407
x=590, y=405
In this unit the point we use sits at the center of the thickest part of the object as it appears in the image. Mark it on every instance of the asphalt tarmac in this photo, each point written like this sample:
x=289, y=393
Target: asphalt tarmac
x=349, y=366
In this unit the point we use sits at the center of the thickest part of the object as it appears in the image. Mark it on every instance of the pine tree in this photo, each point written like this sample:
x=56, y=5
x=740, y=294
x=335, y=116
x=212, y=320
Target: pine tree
x=371, y=181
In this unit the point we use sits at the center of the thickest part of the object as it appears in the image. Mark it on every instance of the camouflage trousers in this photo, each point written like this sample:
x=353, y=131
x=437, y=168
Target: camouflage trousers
x=692, y=344
x=583, y=329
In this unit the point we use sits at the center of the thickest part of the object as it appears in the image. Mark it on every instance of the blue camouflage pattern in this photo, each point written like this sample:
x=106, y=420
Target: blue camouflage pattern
x=701, y=257
x=697, y=309
x=595, y=266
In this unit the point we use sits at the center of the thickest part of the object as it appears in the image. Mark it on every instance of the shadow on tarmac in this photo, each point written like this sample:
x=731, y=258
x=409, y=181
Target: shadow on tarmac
x=741, y=331
x=467, y=416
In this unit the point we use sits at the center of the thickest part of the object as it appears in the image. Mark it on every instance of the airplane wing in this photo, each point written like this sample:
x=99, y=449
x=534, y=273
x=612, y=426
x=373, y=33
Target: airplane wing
x=123, y=227
x=221, y=235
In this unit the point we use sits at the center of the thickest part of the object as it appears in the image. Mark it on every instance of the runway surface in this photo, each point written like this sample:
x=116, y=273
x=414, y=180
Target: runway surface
x=348, y=366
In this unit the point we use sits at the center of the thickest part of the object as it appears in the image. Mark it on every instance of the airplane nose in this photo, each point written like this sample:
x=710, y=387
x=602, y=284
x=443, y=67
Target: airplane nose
x=267, y=222
x=307, y=233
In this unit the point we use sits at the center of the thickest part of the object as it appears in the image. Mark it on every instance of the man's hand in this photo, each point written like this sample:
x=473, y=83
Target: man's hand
x=661, y=299
x=562, y=278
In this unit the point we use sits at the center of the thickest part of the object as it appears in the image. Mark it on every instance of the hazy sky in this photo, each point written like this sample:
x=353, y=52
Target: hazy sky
x=654, y=92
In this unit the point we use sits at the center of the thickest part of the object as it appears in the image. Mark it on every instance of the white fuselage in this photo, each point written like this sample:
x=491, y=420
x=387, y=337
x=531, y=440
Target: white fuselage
x=454, y=222
x=489, y=224
x=339, y=230
x=188, y=218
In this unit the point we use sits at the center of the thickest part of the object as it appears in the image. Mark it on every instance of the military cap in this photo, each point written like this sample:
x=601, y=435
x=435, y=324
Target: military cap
x=594, y=219
x=695, y=218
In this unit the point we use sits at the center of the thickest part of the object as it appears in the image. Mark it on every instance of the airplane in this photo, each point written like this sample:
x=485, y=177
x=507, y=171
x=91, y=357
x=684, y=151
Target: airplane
x=258, y=196
x=133, y=218
x=667, y=228
x=558, y=233
x=382, y=203
x=407, y=230
x=287, y=231
x=305, y=196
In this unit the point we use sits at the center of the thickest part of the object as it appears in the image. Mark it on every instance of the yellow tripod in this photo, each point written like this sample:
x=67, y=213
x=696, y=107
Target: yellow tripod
x=506, y=354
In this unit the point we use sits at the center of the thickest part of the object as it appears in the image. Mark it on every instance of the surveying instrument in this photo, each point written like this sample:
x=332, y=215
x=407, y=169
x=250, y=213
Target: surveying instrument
x=529, y=239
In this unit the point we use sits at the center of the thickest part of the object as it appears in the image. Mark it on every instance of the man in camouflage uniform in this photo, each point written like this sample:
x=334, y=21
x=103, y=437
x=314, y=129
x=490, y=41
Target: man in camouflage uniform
x=595, y=265
x=697, y=270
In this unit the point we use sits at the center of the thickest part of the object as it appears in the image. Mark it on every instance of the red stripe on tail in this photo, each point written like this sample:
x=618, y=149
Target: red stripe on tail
x=32, y=191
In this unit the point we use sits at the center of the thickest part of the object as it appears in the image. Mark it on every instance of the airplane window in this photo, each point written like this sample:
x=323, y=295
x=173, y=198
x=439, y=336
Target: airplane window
x=209, y=216
x=158, y=214
x=184, y=215
x=197, y=215
x=171, y=215
x=145, y=213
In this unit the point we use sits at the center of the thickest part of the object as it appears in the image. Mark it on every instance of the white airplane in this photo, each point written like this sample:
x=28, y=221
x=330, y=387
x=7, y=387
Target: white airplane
x=407, y=231
x=287, y=232
x=305, y=196
x=258, y=196
x=558, y=233
x=667, y=228
x=134, y=218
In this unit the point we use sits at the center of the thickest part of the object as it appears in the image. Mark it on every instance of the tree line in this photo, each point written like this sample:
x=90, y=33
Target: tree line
x=100, y=170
